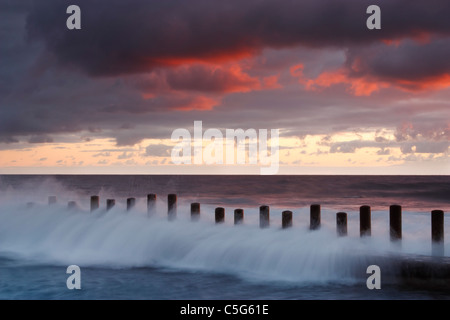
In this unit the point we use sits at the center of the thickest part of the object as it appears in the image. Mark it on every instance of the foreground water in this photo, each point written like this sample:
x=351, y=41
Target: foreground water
x=129, y=255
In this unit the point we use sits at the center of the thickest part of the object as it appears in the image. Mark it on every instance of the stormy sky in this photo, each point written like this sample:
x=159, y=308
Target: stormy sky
x=111, y=94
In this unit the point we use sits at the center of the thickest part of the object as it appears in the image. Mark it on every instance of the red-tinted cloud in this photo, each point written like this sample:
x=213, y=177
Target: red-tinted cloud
x=410, y=66
x=326, y=79
x=200, y=103
x=205, y=84
x=356, y=86
x=211, y=78
x=206, y=78
x=429, y=83
x=135, y=62
x=367, y=85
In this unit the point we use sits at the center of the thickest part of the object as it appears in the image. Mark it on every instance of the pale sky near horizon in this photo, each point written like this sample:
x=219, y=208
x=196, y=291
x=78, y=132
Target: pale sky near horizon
x=106, y=99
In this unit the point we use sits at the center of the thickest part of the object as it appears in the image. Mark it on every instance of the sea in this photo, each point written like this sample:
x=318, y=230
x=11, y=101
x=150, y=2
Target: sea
x=136, y=254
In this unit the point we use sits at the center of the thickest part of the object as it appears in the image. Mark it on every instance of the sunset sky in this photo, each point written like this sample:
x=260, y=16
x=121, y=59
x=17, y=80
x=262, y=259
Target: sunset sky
x=106, y=98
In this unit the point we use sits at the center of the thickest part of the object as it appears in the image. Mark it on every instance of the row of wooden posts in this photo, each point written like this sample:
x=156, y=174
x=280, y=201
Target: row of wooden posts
x=395, y=216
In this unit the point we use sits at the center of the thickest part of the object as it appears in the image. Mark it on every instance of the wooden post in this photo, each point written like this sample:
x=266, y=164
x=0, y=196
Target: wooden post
x=95, y=203
x=286, y=219
x=71, y=205
x=365, y=224
x=220, y=215
x=51, y=200
x=131, y=202
x=151, y=203
x=110, y=203
x=195, y=211
x=264, y=216
x=172, y=206
x=395, y=222
x=238, y=216
x=437, y=232
x=314, y=217
x=341, y=223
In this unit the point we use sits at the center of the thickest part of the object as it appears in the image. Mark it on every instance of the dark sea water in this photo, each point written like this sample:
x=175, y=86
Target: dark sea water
x=131, y=255
x=412, y=192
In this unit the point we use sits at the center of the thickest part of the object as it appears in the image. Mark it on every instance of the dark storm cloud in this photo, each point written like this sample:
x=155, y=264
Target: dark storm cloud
x=40, y=139
x=15, y=6
x=135, y=36
x=410, y=61
x=128, y=47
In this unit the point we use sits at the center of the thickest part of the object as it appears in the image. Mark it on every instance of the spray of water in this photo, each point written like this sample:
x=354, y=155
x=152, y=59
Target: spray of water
x=120, y=239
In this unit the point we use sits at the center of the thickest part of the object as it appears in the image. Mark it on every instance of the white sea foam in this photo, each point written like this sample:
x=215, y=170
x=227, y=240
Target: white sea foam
x=120, y=239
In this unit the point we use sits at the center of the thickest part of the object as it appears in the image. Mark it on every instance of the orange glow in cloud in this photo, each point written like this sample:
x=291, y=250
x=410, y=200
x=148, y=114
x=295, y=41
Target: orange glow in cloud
x=190, y=83
x=418, y=36
x=297, y=70
x=392, y=42
x=213, y=58
x=147, y=96
x=422, y=37
x=271, y=82
x=238, y=81
x=200, y=103
x=432, y=83
x=357, y=86
x=365, y=85
x=201, y=77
